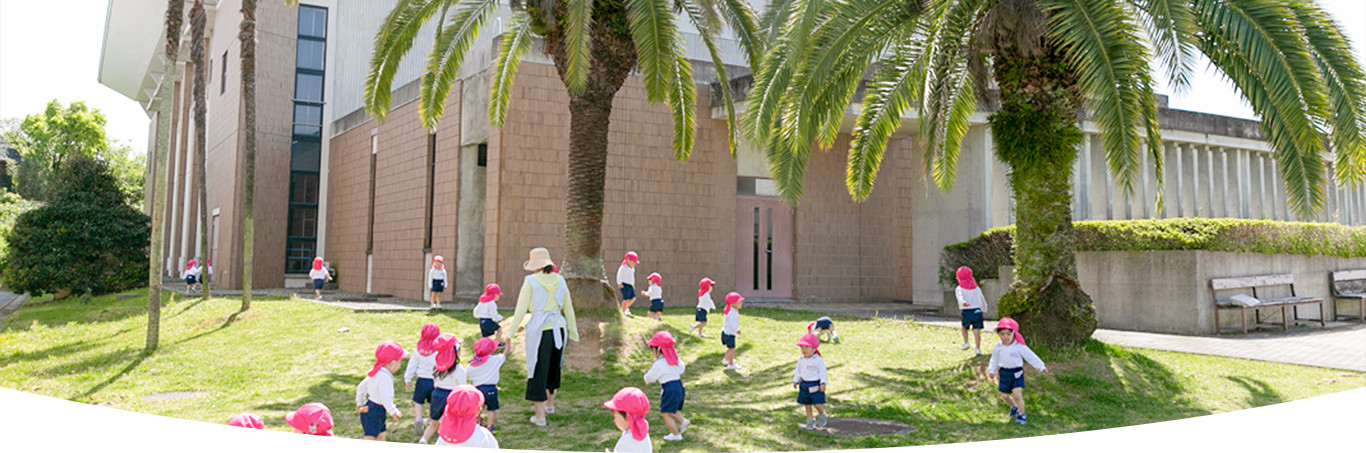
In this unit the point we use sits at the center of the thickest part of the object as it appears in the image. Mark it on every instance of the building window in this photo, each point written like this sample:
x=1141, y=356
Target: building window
x=223, y=75
x=305, y=154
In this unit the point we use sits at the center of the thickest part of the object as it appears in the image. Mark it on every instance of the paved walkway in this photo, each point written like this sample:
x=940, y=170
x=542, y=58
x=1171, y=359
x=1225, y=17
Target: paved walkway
x=10, y=302
x=359, y=302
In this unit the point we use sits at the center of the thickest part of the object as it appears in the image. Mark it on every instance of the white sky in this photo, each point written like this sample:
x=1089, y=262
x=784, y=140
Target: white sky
x=50, y=49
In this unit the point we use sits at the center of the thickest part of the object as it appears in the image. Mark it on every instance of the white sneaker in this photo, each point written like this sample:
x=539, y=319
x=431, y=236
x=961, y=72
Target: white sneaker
x=965, y=346
x=702, y=335
x=820, y=420
x=550, y=409
x=672, y=437
x=536, y=422
x=683, y=427
x=628, y=313
x=733, y=367
x=422, y=441
x=810, y=423
x=978, y=351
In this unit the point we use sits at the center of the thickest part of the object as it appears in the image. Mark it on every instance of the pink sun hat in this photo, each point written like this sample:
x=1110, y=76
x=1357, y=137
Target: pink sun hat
x=462, y=413
x=811, y=341
x=482, y=349
x=732, y=299
x=965, y=279
x=1011, y=325
x=311, y=418
x=386, y=352
x=635, y=404
x=665, y=342
x=491, y=291
x=446, y=345
x=704, y=285
x=654, y=277
x=245, y=420
x=317, y=263
x=424, y=343
x=630, y=257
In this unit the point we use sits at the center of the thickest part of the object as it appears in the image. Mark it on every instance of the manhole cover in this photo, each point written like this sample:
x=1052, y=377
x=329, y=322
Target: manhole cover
x=860, y=427
x=168, y=396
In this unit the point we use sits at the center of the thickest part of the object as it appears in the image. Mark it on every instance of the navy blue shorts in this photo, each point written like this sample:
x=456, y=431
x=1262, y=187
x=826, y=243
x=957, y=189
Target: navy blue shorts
x=438, y=285
x=671, y=397
x=628, y=292
x=657, y=306
x=487, y=327
x=701, y=315
x=824, y=323
x=372, y=421
x=438, y=403
x=972, y=319
x=422, y=390
x=318, y=283
x=490, y=392
x=728, y=340
x=189, y=280
x=808, y=393
x=1010, y=378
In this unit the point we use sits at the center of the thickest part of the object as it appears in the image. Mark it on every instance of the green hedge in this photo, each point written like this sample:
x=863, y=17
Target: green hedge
x=992, y=249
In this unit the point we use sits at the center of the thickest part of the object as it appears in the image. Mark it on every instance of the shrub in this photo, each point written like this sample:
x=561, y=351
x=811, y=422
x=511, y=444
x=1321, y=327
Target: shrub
x=992, y=249
x=87, y=240
x=11, y=206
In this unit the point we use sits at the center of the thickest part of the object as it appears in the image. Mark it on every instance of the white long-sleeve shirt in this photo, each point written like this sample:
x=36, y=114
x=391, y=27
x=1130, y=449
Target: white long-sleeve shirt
x=810, y=369
x=969, y=299
x=730, y=323
x=629, y=444
x=626, y=275
x=195, y=271
x=704, y=302
x=1013, y=356
x=662, y=372
x=454, y=378
x=436, y=274
x=486, y=373
x=487, y=310
x=421, y=366
x=654, y=292
x=316, y=274
x=481, y=438
x=379, y=389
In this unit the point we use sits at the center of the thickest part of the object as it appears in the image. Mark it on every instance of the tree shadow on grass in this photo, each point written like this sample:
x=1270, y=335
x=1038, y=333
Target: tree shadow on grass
x=337, y=392
x=53, y=352
x=138, y=357
x=1258, y=392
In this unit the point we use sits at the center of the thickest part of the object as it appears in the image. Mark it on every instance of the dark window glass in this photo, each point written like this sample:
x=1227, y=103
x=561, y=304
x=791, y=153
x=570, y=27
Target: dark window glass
x=223, y=74
x=303, y=222
x=308, y=131
x=756, y=249
x=310, y=54
x=303, y=189
x=305, y=155
x=308, y=114
x=483, y=160
x=299, y=256
x=312, y=22
x=308, y=87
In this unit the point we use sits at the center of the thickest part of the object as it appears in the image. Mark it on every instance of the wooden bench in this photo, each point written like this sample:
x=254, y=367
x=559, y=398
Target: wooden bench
x=1349, y=285
x=1261, y=281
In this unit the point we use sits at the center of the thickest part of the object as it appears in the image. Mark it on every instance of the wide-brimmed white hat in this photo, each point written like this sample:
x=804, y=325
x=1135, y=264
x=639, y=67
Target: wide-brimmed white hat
x=540, y=258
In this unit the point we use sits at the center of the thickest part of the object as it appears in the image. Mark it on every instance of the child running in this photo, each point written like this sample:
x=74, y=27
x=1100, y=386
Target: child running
x=668, y=372
x=244, y=420
x=626, y=281
x=824, y=327
x=436, y=280
x=421, y=366
x=629, y=407
x=375, y=393
x=448, y=374
x=704, y=305
x=971, y=302
x=486, y=311
x=191, y=276
x=483, y=374
x=460, y=425
x=1008, y=359
x=312, y=418
x=656, y=295
x=809, y=379
x=319, y=276
x=730, y=328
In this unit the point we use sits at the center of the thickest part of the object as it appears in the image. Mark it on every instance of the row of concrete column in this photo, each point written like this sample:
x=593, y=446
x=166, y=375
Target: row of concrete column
x=181, y=220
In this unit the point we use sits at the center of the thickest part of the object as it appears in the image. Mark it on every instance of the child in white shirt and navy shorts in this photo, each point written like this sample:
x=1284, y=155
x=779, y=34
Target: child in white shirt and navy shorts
x=486, y=311
x=810, y=379
x=422, y=366
x=730, y=328
x=626, y=281
x=667, y=370
x=375, y=393
x=656, y=295
x=319, y=275
x=971, y=302
x=1007, y=360
x=447, y=375
x=704, y=305
x=436, y=280
x=484, y=374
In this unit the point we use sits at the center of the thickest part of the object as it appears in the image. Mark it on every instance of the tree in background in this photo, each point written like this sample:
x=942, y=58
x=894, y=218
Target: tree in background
x=87, y=240
x=197, y=22
x=46, y=140
x=174, y=17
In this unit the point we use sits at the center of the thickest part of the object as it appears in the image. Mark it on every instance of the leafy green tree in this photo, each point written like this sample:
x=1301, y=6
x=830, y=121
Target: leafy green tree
x=87, y=239
x=1050, y=59
x=11, y=207
x=594, y=45
x=46, y=140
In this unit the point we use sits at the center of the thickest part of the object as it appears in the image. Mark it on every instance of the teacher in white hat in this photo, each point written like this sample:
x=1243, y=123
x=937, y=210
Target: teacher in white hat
x=545, y=298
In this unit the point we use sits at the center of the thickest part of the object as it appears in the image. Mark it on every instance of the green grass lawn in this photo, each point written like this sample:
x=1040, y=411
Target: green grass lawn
x=283, y=353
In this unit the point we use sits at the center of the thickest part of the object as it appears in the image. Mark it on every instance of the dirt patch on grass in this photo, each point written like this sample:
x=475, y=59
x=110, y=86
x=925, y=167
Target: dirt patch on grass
x=584, y=355
x=861, y=427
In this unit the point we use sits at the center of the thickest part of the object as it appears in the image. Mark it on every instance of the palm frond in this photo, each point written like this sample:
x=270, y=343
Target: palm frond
x=1170, y=24
x=1346, y=87
x=774, y=76
x=708, y=38
x=515, y=43
x=453, y=41
x=946, y=90
x=775, y=16
x=393, y=41
x=743, y=20
x=577, y=44
x=657, y=45
x=890, y=94
x=682, y=103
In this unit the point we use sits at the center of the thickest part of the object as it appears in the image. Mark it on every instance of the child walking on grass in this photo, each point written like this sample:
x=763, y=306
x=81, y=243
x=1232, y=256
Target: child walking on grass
x=436, y=280
x=486, y=311
x=730, y=328
x=1008, y=359
x=312, y=418
x=460, y=425
x=447, y=374
x=824, y=327
x=810, y=379
x=656, y=295
x=629, y=407
x=375, y=393
x=320, y=276
x=668, y=372
x=971, y=302
x=704, y=305
x=484, y=373
x=626, y=281
x=421, y=367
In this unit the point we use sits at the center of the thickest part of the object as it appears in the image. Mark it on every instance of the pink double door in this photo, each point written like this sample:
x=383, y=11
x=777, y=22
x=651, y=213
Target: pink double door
x=763, y=248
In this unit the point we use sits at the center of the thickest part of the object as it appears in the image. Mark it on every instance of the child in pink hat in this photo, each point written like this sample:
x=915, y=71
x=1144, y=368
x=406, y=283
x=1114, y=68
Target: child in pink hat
x=730, y=328
x=486, y=311
x=436, y=281
x=252, y=421
x=375, y=393
x=629, y=407
x=191, y=275
x=460, y=425
x=972, y=303
x=668, y=372
x=484, y=373
x=447, y=375
x=311, y=418
x=1007, y=360
x=421, y=366
x=626, y=281
x=656, y=295
x=810, y=379
x=319, y=275
x=704, y=305
x=824, y=327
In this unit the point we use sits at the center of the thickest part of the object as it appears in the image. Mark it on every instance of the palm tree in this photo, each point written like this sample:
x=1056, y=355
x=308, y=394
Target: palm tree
x=174, y=18
x=1049, y=59
x=197, y=23
x=248, y=49
x=594, y=44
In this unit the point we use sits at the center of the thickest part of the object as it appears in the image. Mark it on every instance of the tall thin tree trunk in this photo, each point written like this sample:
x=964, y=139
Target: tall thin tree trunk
x=174, y=18
x=1036, y=134
x=197, y=23
x=248, y=37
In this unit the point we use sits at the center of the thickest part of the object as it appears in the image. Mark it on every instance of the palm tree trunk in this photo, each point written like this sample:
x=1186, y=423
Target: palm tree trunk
x=1036, y=134
x=248, y=36
x=590, y=112
x=174, y=18
x=197, y=22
